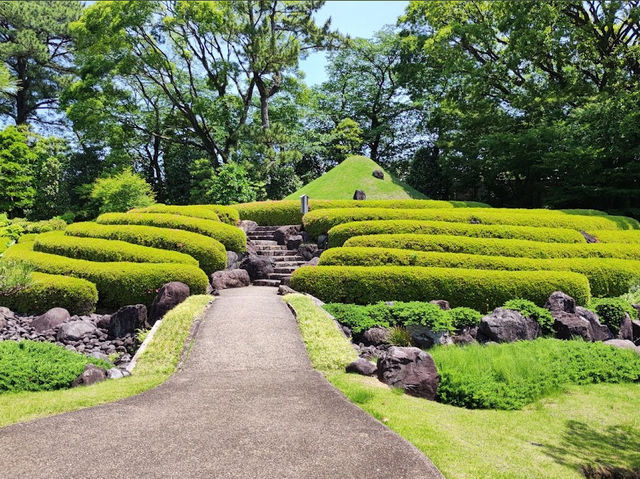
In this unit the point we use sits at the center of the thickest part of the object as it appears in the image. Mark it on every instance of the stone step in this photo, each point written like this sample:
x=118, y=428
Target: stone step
x=259, y=237
x=279, y=276
x=264, y=228
x=267, y=282
x=289, y=264
x=265, y=242
x=287, y=258
x=277, y=252
x=284, y=269
x=270, y=247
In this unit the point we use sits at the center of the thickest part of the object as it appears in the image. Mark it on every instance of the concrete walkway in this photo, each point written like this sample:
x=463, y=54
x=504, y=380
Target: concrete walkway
x=246, y=405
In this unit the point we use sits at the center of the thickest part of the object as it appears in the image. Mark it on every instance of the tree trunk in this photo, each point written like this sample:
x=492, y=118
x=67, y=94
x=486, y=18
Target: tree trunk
x=264, y=111
x=22, y=113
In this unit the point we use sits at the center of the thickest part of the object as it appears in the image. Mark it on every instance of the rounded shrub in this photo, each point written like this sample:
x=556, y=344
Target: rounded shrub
x=271, y=213
x=194, y=211
x=462, y=317
x=613, y=311
x=418, y=313
x=531, y=310
x=611, y=236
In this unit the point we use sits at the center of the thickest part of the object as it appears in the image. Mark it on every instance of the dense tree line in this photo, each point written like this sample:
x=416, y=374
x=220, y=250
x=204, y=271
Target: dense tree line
x=515, y=103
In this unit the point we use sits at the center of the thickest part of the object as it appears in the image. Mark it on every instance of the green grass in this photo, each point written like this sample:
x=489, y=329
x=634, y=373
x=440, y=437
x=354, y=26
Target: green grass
x=154, y=367
x=355, y=173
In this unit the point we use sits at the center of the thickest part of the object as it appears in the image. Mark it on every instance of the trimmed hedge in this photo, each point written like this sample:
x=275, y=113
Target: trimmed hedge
x=231, y=237
x=93, y=249
x=321, y=221
x=119, y=283
x=271, y=213
x=341, y=233
x=227, y=214
x=478, y=289
x=193, y=211
x=609, y=236
x=607, y=276
x=210, y=253
x=47, y=291
x=495, y=247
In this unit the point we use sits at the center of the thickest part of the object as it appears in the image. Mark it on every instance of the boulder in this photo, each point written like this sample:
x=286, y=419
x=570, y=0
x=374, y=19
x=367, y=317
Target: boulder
x=442, y=304
x=466, y=336
x=411, y=369
x=308, y=250
x=51, y=319
x=572, y=321
x=169, y=296
x=599, y=331
x=313, y=262
x=363, y=367
x=635, y=327
x=6, y=313
x=558, y=301
x=376, y=336
x=247, y=225
x=127, y=319
x=282, y=290
x=425, y=338
x=359, y=195
x=75, y=331
x=294, y=242
x=626, y=329
x=258, y=267
x=92, y=374
x=623, y=344
x=507, y=325
x=104, y=321
x=233, y=259
x=636, y=306
x=99, y=355
x=569, y=326
x=283, y=233
x=230, y=278
x=323, y=242
x=378, y=174
x=114, y=373
x=3, y=323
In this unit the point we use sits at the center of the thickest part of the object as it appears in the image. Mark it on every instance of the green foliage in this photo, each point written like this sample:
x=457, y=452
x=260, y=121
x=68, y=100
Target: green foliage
x=231, y=184
x=416, y=313
x=360, y=318
x=52, y=165
x=34, y=366
x=17, y=160
x=42, y=226
x=531, y=310
x=14, y=276
x=210, y=253
x=226, y=214
x=399, y=337
x=512, y=375
x=613, y=311
x=478, y=289
x=346, y=140
x=462, y=317
x=121, y=192
x=609, y=236
x=426, y=174
x=633, y=295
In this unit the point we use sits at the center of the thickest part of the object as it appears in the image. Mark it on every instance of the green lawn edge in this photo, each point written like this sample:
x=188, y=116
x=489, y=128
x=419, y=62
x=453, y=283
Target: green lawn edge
x=155, y=365
x=553, y=437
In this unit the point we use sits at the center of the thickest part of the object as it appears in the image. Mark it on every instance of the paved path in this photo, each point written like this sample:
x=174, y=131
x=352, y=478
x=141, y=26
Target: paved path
x=246, y=405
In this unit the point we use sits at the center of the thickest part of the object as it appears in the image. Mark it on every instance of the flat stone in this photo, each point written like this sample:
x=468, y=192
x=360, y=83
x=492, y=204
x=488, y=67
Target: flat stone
x=231, y=278
x=75, y=331
x=363, y=367
x=623, y=344
x=92, y=374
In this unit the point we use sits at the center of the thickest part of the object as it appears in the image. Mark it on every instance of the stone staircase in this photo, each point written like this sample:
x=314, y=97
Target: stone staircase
x=286, y=261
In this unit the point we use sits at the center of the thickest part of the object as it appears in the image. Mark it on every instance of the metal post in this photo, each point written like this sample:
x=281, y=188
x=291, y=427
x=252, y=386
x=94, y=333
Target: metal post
x=304, y=204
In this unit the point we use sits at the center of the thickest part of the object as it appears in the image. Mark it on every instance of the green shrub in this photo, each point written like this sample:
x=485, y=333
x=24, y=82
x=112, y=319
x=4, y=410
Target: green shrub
x=121, y=192
x=464, y=317
x=512, y=375
x=613, y=236
x=478, y=289
x=494, y=247
x=341, y=233
x=95, y=249
x=118, y=283
x=231, y=237
x=4, y=243
x=227, y=214
x=210, y=253
x=393, y=204
x=632, y=296
x=613, y=311
x=531, y=310
x=360, y=318
x=399, y=337
x=416, y=313
x=35, y=366
x=14, y=275
x=193, y=211
x=46, y=291
x=607, y=276
x=30, y=227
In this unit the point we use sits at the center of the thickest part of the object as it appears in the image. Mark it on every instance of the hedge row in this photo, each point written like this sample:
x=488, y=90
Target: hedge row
x=118, y=283
x=321, y=221
x=93, y=249
x=495, y=247
x=478, y=289
x=607, y=276
x=341, y=233
x=210, y=253
x=231, y=237
x=609, y=236
x=47, y=291
x=193, y=211
x=271, y=213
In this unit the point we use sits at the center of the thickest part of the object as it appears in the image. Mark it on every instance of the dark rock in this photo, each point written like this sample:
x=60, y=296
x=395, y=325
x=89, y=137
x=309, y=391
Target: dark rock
x=378, y=174
x=313, y=262
x=104, y=321
x=282, y=290
x=51, y=319
x=569, y=326
x=442, y=304
x=559, y=301
x=233, y=260
x=589, y=238
x=258, y=267
x=410, y=369
x=376, y=336
x=623, y=344
x=635, y=327
x=247, y=225
x=626, y=329
x=75, y=331
x=466, y=336
x=308, y=250
x=230, y=278
x=3, y=323
x=346, y=330
x=283, y=233
x=169, y=296
x=599, y=331
x=506, y=325
x=323, y=241
x=637, y=307
x=92, y=374
x=294, y=242
x=363, y=367
x=127, y=319
x=359, y=195
x=426, y=338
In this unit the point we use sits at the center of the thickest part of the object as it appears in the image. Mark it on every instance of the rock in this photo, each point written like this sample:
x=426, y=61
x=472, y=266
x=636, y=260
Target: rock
x=636, y=306
x=323, y=242
x=3, y=323
x=99, y=355
x=282, y=290
x=411, y=369
x=623, y=344
x=247, y=225
x=313, y=262
x=559, y=301
x=442, y=304
x=466, y=336
x=599, y=331
x=626, y=329
x=569, y=326
x=75, y=331
x=376, y=336
x=7, y=314
x=359, y=195
x=425, y=338
x=506, y=325
x=92, y=374
x=169, y=296
x=104, y=321
x=635, y=327
x=378, y=174
x=589, y=238
x=233, y=259
x=363, y=367
x=230, y=278
x=51, y=319
x=114, y=373
x=258, y=267
x=126, y=320
x=283, y=233
x=308, y=250
x=294, y=242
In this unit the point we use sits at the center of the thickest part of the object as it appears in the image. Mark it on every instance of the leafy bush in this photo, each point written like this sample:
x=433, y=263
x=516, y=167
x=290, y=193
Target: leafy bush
x=341, y=233
x=464, y=317
x=14, y=275
x=416, y=313
x=612, y=236
x=530, y=310
x=34, y=366
x=231, y=237
x=93, y=249
x=121, y=192
x=632, y=296
x=512, y=375
x=478, y=289
x=612, y=311
x=360, y=318
x=210, y=253
x=194, y=211
x=232, y=184
x=43, y=226
x=118, y=283
x=399, y=337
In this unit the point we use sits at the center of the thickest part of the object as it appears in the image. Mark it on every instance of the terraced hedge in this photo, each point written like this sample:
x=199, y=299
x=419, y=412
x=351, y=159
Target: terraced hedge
x=48, y=291
x=608, y=277
x=321, y=221
x=210, y=253
x=479, y=289
x=193, y=211
x=118, y=283
x=341, y=233
x=231, y=237
x=495, y=247
x=609, y=236
x=94, y=249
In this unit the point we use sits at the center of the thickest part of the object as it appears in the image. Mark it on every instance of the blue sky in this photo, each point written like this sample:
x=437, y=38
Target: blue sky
x=355, y=18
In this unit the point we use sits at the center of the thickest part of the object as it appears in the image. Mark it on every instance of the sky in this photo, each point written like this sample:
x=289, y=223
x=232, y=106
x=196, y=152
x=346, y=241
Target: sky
x=355, y=18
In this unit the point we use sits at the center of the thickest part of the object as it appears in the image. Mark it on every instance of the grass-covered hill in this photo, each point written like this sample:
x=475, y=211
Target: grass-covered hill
x=356, y=173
